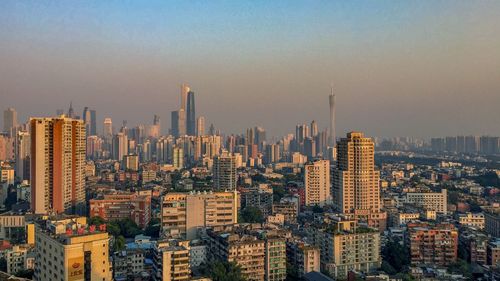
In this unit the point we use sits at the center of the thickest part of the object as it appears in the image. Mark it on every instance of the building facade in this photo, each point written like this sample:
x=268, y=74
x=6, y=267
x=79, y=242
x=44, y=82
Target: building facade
x=57, y=165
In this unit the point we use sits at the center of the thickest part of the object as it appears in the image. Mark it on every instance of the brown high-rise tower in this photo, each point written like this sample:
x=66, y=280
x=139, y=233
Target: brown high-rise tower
x=356, y=190
x=57, y=165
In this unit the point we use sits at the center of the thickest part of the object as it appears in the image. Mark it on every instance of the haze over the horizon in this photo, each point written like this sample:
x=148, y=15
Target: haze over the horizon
x=400, y=68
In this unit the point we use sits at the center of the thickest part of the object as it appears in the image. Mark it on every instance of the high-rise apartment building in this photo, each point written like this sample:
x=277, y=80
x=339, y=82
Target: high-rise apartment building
x=182, y=214
x=57, y=165
x=224, y=172
x=317, y=183
x=332, y=137
x=69, y=249
x=200, y=126
x=356, y=190
x=9, y=121
x=120, y=146
x=22, y=151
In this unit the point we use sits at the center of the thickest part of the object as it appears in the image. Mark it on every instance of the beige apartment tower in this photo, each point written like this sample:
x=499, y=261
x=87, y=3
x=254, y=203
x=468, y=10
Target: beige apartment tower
x=317, y=183
x=57, y=165
x=356, y=190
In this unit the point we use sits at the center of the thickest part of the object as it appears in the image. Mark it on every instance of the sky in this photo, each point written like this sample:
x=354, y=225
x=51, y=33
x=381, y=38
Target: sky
x=399, y=68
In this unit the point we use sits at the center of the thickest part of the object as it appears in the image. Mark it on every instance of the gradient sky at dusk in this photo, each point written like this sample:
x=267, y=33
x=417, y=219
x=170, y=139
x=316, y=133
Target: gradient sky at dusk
x=400, y=68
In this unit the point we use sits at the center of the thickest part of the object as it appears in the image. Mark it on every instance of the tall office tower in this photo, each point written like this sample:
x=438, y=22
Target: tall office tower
x=250, y=136
x=71, y=112
x=310, y=148
x=89, y=117
x=22, y=150
x=182, y=214
x=190, y=115
x=332, y=138
x=185, y=89
x=120, y=146
x=224, y=172
x=260, y=136
x=178, y=123
x=108, y=128
x=211, y=130
x=70, y=249
x=93, y=123
x=314, y=128
x=9, y=121
x=317, y=182
x=174, y=117
x=356, y=190
x=200, y=126
x=156, y=128
x=57, y=165
x=272, y=154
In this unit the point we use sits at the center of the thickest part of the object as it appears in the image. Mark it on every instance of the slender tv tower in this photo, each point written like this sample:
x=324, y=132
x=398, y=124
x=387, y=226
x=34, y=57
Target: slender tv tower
x=332, y=137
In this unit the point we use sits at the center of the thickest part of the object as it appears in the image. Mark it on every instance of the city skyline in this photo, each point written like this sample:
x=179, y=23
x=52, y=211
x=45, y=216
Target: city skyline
x=390, y=64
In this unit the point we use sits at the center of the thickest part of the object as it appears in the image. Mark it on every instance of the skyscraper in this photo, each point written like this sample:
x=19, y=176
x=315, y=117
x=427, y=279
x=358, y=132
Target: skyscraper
x=185, y=89
x=200, y=126
x=90, y=122
x=314, y=128
x=9, y=120
x=120, y=146
x=224, y=172
x=332, y=137
x=174, y=120
x=57, y=165
x=190, y=115
x=317, y=182
x=356, y=189
x=93, y=123
x=108, y=128
x=71, y=112
x=22, y=150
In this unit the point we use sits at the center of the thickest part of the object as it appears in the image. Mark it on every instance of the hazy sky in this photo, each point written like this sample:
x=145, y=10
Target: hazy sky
x=400, y=68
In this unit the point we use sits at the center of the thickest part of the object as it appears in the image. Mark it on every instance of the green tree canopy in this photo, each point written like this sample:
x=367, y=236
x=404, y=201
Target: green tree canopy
x=251, y=215
x=225, y=271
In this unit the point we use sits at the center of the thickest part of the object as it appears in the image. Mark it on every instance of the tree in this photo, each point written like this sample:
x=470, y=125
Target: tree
x=225, y=271
x=113, y=228
x=129, y=228
x=153, y=228
x=119, y=243
x=96, y=221
x=278, y=193
x=396, y=255
x=252, y=215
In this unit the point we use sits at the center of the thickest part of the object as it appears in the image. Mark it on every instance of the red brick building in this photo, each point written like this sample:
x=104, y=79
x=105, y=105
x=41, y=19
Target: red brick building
x=121, y=206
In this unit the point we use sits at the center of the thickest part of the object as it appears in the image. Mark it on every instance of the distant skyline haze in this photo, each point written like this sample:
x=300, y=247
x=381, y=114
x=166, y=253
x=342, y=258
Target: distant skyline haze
x=400, y=68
